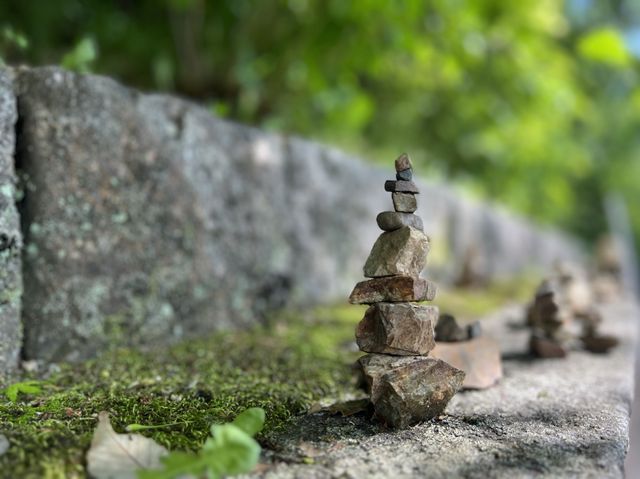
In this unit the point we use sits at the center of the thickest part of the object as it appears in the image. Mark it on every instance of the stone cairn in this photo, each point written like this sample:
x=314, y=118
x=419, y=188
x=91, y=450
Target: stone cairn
x=563, y=315
x=405, y=385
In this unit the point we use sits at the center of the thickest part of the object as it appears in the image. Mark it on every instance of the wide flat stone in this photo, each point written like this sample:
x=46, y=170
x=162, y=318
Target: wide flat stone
x=479, y=358
x=416, y=392
x=545, y=419
x=400, y=252
x=404, y=202
x=401, y=186
x=403, y=162
x=392, y=220
x=397, y=328
x=393, y=289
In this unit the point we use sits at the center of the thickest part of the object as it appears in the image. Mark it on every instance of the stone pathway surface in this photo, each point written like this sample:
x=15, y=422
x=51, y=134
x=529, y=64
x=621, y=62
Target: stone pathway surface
x=547, y=418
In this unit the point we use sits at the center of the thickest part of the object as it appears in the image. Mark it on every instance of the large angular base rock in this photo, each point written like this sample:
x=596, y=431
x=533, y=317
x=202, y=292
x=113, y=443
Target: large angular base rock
x=400, y=252
x=479, y=358
x=393, y=289
x=405, y=391
x=397, y=328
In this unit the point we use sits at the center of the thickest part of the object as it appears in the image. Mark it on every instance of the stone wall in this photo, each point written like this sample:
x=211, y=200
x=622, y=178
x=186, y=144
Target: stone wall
x=10, y=237
x=146, y=219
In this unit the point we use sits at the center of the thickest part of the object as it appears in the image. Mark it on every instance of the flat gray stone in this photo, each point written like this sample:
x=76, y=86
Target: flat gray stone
x=400, y=252
x=401, y=186
x=404, y=202
x=393, y=289
x=392, y=220
x=551, y=418
x=10, y=234
x=401, y=329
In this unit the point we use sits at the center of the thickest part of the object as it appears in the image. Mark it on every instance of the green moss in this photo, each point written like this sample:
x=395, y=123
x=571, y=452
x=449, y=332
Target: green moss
x=284, y=368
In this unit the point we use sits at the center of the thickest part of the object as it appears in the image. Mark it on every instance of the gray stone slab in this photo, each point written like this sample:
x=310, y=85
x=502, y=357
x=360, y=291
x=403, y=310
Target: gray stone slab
x=547, y=418
x=10, y=235
x=139, y=230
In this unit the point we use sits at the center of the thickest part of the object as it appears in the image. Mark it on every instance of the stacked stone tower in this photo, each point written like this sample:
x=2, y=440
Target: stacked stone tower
x=397, y=331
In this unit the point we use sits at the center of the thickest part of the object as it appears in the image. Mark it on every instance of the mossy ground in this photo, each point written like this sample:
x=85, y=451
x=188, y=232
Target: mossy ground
x=298, y=359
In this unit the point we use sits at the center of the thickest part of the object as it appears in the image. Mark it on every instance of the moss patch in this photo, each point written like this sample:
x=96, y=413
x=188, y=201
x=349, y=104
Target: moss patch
x=282, y=368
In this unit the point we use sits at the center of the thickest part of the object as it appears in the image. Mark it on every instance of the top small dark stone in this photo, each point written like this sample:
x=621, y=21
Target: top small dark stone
x=403, y=162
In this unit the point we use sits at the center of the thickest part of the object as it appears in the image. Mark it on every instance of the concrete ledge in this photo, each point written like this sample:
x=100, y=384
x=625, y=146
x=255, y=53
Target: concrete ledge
x=548, y=418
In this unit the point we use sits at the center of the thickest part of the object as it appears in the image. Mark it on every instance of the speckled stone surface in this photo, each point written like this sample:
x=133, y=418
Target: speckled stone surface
x=10, y=235
x=139, y=229
x=547, y=418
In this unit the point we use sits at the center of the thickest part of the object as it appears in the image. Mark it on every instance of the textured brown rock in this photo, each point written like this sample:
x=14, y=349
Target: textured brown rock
x=397, y=328
x=599, y=344
x=401, y=186
x=448, y=329
x=393, y=289
x=374, y=366
x=404, y=202
x=400, y=252
x=546, y=348
x=392, y=220
x=403, y=162
x=417, y=391
x=479, y=358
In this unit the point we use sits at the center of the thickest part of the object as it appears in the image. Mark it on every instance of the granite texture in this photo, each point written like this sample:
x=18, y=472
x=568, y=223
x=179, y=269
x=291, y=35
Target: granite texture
x=10, y=235
x=146, y=219
x=550, y=418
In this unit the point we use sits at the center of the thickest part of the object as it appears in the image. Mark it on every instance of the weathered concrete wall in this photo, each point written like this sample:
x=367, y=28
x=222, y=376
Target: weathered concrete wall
x=146, y=219
x=10, y=237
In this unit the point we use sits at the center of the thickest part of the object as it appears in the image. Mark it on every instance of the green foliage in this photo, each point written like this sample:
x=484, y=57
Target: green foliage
x=26, y=387
x=527, y=102
x=605, y=45
x=81, y=56
x=231, y=450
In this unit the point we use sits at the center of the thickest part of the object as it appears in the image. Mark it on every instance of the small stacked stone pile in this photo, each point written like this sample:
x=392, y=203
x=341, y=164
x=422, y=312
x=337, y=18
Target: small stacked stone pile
x=397, y=331
x=563, y=315
x=551, y=321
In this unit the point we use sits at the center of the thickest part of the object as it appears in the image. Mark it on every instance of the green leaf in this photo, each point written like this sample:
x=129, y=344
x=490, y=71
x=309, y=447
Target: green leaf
x=233, y=451
x=605, y=45
x=27, y=387
x=230, y=450
x=82, y=56
x=250, y=421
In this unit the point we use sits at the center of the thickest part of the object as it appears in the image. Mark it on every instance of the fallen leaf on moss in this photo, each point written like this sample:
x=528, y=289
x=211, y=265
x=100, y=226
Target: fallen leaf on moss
x=120, y=456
